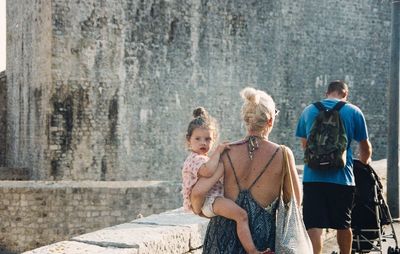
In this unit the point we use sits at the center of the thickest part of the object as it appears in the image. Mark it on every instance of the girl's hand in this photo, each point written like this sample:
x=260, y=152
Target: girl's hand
x=222, y=147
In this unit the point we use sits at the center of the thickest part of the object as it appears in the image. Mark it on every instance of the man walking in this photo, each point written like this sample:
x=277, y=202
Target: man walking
x=329, y=190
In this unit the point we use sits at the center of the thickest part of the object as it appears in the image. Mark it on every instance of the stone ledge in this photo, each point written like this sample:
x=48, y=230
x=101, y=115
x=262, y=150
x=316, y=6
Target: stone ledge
x=72, y=247
x=170, y=232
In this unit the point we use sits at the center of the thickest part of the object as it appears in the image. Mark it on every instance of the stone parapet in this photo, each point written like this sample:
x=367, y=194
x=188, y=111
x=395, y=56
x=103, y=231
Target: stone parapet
x=37, y=213
x=170, y=232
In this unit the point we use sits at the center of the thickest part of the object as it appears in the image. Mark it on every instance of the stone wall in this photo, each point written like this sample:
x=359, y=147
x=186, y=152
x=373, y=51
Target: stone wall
x=170, y=232
x=3, y=121
x=103, y=90
x=36, y=213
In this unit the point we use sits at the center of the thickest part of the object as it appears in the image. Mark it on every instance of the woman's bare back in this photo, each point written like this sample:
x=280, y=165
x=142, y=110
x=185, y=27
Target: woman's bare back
x=257, y=196
x=266, y=188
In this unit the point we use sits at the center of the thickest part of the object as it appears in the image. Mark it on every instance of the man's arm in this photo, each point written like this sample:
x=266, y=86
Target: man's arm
x=303, y=143
x=365, y=151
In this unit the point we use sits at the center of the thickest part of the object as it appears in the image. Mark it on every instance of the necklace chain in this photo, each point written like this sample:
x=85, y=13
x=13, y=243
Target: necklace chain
x=252, y=145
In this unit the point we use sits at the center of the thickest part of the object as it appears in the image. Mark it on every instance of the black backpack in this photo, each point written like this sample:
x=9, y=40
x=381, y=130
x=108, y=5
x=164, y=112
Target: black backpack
x=327, y=143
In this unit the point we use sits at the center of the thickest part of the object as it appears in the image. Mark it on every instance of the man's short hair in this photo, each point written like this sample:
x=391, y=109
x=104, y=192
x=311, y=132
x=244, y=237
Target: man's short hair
x=338, y=86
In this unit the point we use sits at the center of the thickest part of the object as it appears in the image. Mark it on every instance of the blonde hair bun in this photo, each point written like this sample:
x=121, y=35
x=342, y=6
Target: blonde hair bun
x=250, y=94
x=257, y=109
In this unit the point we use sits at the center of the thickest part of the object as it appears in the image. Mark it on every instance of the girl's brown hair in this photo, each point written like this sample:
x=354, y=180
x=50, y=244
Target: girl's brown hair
x=201, y=119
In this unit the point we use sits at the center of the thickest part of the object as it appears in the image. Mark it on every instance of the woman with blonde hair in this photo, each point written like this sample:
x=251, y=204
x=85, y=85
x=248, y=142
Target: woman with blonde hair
x=252, y=178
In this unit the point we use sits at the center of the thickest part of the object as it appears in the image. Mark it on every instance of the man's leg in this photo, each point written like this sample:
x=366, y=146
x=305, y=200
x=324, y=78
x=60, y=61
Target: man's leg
x=315, y=235
x=315, y=213
x=345, y=239
x=340, y=212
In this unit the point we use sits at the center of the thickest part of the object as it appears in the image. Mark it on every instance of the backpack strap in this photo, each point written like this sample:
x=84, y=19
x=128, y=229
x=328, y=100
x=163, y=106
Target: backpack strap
x=339, y=105
x=319, y=106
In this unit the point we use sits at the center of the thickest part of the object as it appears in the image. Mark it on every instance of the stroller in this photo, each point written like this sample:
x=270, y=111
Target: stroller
x=370, y=213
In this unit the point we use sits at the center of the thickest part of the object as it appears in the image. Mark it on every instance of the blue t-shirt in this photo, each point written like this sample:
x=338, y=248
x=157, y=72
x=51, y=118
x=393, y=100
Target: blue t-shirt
x=356, y=129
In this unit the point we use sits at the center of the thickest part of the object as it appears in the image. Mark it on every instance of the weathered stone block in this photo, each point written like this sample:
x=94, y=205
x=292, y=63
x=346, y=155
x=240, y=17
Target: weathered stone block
x=146, y=238
x=72, y=247
x=35, y=213
x=197, y=224
x=169, y=232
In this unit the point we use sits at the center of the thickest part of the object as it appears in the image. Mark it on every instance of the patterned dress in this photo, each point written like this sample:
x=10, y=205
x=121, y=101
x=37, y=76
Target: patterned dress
x=221, y=236
x=190, y=170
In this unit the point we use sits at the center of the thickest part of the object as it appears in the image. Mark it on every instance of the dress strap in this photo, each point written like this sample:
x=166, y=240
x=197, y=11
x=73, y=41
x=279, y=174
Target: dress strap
x=265, y=168
x=234, y=172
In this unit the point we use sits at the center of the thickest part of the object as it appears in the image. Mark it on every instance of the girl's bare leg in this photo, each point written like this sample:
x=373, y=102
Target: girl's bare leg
x=229, y=209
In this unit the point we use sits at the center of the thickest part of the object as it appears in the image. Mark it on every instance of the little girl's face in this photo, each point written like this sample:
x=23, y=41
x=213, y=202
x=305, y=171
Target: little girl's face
x=201, y=141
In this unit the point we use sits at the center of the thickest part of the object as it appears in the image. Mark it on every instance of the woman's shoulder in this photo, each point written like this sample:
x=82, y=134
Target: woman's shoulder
x=238, y=142
x=275, y=145
x=235, y=147
x=286, y=148
x=282, y=147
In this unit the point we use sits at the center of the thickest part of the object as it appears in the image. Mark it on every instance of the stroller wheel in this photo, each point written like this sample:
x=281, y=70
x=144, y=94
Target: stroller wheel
x=393, y=250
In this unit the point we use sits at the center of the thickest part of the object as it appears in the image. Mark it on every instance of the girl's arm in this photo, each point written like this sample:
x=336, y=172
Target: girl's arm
x=208, y=169
x=201, y=188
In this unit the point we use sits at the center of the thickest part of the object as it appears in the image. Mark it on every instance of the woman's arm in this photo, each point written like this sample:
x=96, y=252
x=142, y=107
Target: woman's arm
x=295, y=180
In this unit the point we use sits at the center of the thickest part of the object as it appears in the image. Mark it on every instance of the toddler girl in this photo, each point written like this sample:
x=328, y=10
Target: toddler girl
x=202, y=177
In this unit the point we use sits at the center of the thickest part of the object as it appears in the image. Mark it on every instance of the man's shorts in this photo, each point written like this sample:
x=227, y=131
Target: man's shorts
x=327, y=205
